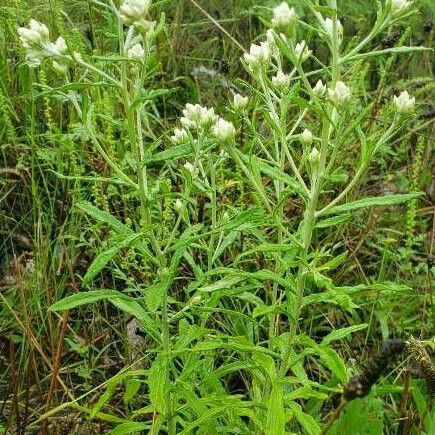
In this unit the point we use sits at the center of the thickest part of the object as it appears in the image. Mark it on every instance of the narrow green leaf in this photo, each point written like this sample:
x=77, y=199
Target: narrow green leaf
x=338, y=334
x=84, y=298
x=104, y=257
x=373, y=201
x=305, y=420
x=130, y=428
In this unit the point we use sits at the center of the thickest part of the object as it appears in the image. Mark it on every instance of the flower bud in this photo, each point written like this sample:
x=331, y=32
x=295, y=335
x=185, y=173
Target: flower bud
x=302, y=52
x=319, y=89
x=178, y=204
x=314, y=157
x=339, y=94
x=134, y=12
x=223, y=130
x=328, y=27
x=196, y=116
x=281, y=81
x=306, y=137
x=404, y=102
x=136, y=52
x=284, y=15
x=258, y=55
x=240, y=102
x=180, y=135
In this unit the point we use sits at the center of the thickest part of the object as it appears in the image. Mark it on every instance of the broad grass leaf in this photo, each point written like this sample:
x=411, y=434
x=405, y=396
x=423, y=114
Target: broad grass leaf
x=171, y=154
x=104, y=257
x=276, y=419
x=104, y=217
x=373, y=201
x=158, y=384
x=332, y=360
x=130, y=428
x=333, y=221
x=307, y=421
x=304, y=393
x=132, y=386
x=106, y=396
x=338, y=334
x=85, y=298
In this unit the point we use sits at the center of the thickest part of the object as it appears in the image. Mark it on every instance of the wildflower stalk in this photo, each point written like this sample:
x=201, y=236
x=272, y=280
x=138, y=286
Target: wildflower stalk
x=309, y=218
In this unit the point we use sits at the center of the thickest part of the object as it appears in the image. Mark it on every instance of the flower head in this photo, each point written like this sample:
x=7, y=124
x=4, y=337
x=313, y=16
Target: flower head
x=180, y=135
x=281, y=81
x=136, y=52
x=240, y=102
x=302, y=52
x=178, y=204
x=306, y=137
x=223, y=130
x=404, y=102
x=284, y=15
x=314, y=156
x=134, y=12
x=258, y=54
x=36, y=41
x=399, y=6
x=319, y=89
x=339, y=94
x=196, y=116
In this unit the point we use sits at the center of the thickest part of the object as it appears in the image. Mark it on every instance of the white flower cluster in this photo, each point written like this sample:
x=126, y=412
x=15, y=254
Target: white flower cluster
x=284, y=16
x=339, y=94
x=36, y=41
x=240, y=102
x=281, y=81
x=136, y=52
x=328, y=27
x=135, y=13
x=404, y=102
x=258, y=54
x=197, y=117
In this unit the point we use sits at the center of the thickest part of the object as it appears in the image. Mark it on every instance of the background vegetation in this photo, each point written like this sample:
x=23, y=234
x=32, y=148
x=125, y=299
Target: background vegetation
x=89, y=369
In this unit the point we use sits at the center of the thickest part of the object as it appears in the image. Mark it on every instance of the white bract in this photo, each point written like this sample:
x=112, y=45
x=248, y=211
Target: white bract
x=223, y=130
x=404, y=102
x=134, y=12
x=136, y=52
x=281, y=81
x=302, y=52
x=339, y=94
x=306, y=137
x=240, y=102
x=258, y=54
x=319, y=89
x=284, y=15
x=398, y=6
x=197, y=116
x=180, y=135
x=36, y=41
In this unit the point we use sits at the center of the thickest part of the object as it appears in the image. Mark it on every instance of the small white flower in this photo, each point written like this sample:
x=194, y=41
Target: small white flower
x=60, y=45
x=134, y=11
x=319, y=89
x=302, y=52
x=281, y=81
x=196, y=116
x=306, y=137
x=136, y=52
x=398, y=6
x=225, y=217
x=223, y=130
x=404, y=102
x=314, y=156
x=340, y=94
x=240, y=102
x=284, y=15
x=258, y=54
x=178, y=204
x=35, y=35
x=180, y=135
x=328, y=27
